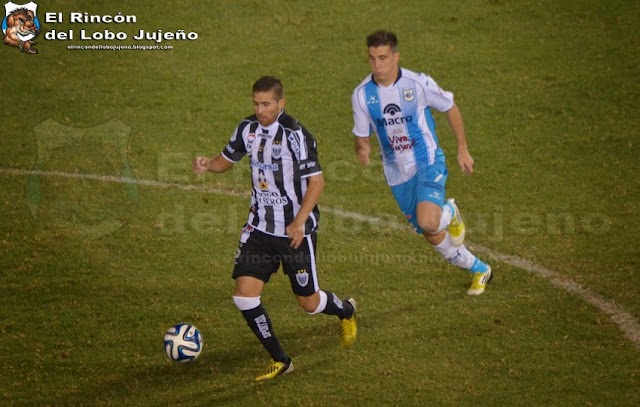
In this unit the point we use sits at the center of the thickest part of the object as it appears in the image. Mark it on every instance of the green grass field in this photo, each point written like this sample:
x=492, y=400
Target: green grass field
x=93, y=269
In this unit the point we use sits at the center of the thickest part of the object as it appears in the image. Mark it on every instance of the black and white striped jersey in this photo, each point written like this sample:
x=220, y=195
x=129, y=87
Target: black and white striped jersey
x=281, y=157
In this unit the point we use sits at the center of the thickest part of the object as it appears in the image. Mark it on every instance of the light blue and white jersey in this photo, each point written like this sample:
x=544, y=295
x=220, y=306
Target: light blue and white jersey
x=400, y=115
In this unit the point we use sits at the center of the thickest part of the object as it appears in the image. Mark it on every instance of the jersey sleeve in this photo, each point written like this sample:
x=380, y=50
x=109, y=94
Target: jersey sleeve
x=437, y=98
x=235, y=148
x=361, y=126
x=309, y=164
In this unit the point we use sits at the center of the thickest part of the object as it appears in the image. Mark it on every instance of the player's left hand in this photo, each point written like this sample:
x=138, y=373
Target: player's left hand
x=466, y=162
x=295, y=232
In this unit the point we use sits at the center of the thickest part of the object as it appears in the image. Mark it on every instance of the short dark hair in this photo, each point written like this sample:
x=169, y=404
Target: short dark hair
x=268, y=83
x=382, y=37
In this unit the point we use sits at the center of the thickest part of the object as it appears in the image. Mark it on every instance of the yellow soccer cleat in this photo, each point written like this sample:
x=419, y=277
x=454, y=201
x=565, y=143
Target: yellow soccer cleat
x=456, y=227
x=275, y=369
x=480, y=280
x=349, y=327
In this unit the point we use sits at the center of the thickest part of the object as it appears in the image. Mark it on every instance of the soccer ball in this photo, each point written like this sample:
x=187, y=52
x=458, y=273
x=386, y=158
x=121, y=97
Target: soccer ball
x=183, y=343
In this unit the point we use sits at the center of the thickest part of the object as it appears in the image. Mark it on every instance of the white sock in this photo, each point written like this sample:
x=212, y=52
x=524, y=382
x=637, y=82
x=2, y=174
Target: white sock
x=457, y=255
x=322, y=305
x=246, y=303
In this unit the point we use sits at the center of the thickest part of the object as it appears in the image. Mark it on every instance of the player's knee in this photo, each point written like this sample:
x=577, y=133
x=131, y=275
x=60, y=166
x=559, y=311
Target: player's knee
x=429, y=226
x=309, y=304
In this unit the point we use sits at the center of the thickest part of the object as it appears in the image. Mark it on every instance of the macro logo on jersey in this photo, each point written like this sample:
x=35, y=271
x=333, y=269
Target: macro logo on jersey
x=397, y=135
x=20, y=26
x=390, y=111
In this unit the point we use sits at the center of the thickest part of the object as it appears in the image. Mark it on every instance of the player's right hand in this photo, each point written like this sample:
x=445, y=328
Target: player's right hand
x=200, y=165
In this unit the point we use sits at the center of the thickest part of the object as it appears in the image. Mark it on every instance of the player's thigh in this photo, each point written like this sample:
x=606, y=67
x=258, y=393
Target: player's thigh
x=431, y=183
x=248, y=286
x=406, y=198
x=300, y=266
x=255, y=256
x=430, y=193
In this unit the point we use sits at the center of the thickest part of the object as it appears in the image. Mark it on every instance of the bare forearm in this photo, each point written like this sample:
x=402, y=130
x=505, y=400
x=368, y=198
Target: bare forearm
x=216, y=164
x=295, y=230
x=457, y=126
x=363, y=150
x=311, y=197
x=219, y=164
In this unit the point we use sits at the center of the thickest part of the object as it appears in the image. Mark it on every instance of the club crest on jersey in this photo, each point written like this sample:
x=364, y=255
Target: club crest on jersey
x=302, y=277
x=408, y=95
x=276, y=150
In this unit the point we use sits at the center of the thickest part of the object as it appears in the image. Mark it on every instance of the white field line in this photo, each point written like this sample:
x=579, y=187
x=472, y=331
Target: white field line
x=625, y=321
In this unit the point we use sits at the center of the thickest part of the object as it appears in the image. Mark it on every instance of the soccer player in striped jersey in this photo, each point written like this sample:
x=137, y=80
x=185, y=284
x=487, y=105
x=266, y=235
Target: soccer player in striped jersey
x=283, y=219
x=396, y=104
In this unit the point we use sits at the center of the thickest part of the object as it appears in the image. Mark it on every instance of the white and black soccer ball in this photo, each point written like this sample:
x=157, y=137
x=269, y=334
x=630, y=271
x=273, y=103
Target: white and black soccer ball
x=183, y=343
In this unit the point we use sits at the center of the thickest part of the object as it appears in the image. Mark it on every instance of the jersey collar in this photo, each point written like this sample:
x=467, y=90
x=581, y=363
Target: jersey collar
x=274, y=125
x=394, y=82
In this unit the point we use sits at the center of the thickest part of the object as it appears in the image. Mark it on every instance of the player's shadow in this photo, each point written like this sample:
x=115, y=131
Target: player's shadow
x=224, y=372
x=214, y=372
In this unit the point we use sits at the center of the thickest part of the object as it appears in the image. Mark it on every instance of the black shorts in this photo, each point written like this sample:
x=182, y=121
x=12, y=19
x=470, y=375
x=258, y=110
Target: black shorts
x=259, y=255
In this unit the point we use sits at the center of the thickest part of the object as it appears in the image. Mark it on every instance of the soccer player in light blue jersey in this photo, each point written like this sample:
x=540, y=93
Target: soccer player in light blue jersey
x=396, y=104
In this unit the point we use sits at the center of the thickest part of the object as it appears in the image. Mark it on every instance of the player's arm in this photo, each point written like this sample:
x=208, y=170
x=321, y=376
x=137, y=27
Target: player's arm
x=217, y=164
x=362, y=146
x=457, y=126
x=231, y=154
x=295, y=230
x=361, y=126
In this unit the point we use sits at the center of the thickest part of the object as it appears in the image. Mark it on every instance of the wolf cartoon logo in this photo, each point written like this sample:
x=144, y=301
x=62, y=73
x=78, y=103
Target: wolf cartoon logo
x=20, y=26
